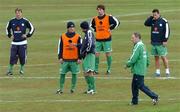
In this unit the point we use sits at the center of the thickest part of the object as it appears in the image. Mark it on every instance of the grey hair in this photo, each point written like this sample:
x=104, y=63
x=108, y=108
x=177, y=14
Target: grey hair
x=137, y=35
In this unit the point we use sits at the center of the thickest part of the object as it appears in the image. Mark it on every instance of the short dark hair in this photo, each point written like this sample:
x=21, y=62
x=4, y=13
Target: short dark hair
x=101, y=7
x=84, y=25
x=155, y=10
x=18, y=9
x=137, y=34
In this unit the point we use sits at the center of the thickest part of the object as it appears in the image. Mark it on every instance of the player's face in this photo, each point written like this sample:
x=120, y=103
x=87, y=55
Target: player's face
x=156, y=15
x=100, y=12
x=134, y=39
x=18, y=14
x=71, y=29
x=83, y=30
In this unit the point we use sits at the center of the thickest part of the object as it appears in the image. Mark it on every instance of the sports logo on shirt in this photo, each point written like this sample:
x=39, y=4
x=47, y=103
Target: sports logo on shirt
x=17, y=28
x=155, y=31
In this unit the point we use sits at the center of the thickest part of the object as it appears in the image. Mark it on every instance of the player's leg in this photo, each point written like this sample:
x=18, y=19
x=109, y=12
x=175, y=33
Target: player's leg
x=87, y=79
x=97, y=62
x=92, y=81
x=74, y=68
x=154, y=51
x=163, y=53
x=98, y=50
x=108, y=49
x=135, y=91
x=157, y=65
x=89, y=67
x=165, y=61
x=63, y=70
x=109, y=62
x=22, y=52
x=13, y=59
x=86, y=76
x=145, y=89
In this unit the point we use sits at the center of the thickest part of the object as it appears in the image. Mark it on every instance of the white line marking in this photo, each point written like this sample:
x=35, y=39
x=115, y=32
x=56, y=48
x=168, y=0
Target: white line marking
x=127, y=15
x=57, y=64
x=77, y=101
x=98, y=77
x=35, y=65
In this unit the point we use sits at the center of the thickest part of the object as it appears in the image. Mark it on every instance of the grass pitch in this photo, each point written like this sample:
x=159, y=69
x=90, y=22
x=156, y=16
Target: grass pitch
x=35, y=91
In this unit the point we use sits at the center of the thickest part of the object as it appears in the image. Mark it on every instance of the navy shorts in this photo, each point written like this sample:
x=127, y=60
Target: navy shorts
x=18, y=52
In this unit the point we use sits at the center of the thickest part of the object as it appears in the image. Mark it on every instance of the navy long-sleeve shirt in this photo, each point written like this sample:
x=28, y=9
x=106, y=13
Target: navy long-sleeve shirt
x=88, y=44
x=18, y=28
x=160, y=30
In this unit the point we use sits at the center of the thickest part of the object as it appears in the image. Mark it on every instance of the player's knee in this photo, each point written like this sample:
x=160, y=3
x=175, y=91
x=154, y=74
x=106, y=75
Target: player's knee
x=97, y=54
x=108, y=54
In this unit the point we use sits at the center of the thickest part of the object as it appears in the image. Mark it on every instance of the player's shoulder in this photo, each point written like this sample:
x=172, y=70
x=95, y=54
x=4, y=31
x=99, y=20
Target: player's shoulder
x=164, y=20
x=90, y=34
x=25, y=19
x=110, y=16
x=140, y=44
x=78, y=34
x=12, y=19
x=63, y=34
x=94, y=17
x=89, y=31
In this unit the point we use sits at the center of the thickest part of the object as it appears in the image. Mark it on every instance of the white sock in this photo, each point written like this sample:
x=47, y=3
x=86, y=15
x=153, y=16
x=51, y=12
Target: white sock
x=167, y=71
x=158, y=71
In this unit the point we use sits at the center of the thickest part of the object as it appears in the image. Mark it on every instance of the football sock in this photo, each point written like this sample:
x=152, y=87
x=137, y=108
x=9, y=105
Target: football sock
x=167, y=71
x=10, y=68
x=157, y=71
x=73, y=81
x=62, y=81
x=109, y=61
x=87, y=78
x=96, y=64
x=92, y=79
x=22, y=67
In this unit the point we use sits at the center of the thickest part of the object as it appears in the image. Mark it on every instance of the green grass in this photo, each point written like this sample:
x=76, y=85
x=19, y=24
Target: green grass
x=49, y=19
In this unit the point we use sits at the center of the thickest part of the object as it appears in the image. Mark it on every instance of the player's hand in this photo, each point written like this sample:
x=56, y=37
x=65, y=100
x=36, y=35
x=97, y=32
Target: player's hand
x=151, y=17
x=164, y=43
x=24, y=36
x=12, y=38
x=110, y=31
x=78, y=61
x=73, y=44
x=125, y=67
x=61, y=61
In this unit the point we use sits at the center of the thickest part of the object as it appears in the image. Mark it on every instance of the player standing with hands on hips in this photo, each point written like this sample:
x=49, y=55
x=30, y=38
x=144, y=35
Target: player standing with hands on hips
x=18, y=26
x=103, y=25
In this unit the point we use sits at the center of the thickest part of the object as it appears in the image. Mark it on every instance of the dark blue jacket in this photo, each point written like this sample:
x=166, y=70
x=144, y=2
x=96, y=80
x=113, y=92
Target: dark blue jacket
x=160, y=30
x=88, y=44
x=18, y=27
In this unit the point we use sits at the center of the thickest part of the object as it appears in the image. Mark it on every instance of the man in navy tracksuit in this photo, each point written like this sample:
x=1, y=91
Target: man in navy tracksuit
x=18, y=26
x=160, y=32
